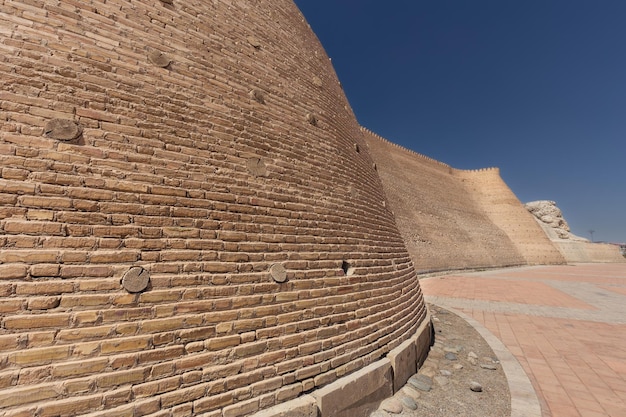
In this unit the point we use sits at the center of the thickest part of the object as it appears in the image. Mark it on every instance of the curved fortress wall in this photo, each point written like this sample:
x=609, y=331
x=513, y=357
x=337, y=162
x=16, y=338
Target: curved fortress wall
x=453, y=219
x=189, y=219
x=504, y=209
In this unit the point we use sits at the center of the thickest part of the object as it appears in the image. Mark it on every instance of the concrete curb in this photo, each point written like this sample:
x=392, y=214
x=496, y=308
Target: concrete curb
x=342, y=396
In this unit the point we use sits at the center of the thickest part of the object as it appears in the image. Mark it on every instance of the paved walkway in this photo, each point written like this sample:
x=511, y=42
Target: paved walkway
x=566, y=325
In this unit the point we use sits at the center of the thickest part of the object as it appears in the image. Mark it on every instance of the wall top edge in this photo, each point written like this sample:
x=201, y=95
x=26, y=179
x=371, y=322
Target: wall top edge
x=427, y=158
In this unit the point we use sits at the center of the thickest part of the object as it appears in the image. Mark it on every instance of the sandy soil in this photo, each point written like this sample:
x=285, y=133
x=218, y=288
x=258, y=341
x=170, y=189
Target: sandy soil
x=469, y=360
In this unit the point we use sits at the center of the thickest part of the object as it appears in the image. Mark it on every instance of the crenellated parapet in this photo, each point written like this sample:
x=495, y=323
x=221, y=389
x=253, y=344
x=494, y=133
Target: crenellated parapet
x=489, y=170
x=412, y=152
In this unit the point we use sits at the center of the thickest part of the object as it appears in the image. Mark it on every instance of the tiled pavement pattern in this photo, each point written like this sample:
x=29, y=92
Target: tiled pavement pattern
x=566, y=325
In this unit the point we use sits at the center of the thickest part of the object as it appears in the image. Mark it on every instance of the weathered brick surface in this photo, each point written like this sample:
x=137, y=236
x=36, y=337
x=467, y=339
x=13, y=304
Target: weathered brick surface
x=181, y=171
x=506, y=212
x=456, y=219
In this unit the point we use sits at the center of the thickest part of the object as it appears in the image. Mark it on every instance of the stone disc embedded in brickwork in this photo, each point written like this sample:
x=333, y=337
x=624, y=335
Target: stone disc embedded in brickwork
x=136, y=279
x=278, y=273
x=256, y=167
x=62, y=129
x=159, y=59
x=257, y=95
x=317, y=81
x=254, y=42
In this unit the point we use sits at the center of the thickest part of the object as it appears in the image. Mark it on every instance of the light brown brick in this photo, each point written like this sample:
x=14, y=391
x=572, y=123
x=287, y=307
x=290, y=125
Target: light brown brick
x=45, y=202
x=29, y=256
x=160, y=355
x=288, y=392
x=13, y=271
x=113, y=379
x=82, y=318
x=99, y=285
x=39, y=339
x=183, y=395
x=150, y=389
x=84, y=333
x=148, y=407
x=14, y=174
x=39, y=356
x=45, y=270
x=116, y=397
x=114, y=256
x=43, y=303
x=86, y=349
x=25, y=395
x=44, y=288
x=125, y=345
x=224, y=342
x=213, y=402
x=75, y=271
x=85, y=300
x=70, y=406
x=241, y=408
x=36, y=321
x=79, y=368
x=16, y=187
x=11, y=305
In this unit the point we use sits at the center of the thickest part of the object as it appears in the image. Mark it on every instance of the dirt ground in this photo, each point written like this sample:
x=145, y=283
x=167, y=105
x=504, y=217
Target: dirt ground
x=459, y=361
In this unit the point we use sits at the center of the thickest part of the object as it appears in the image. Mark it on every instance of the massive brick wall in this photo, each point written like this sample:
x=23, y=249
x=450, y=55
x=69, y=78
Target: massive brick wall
x=189, y=219
x=454, y=219
x=579, y=250
x=507, y=212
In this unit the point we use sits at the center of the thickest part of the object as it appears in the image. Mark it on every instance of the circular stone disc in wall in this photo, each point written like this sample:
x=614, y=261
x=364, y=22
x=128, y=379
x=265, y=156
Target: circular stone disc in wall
x=254, y=42
x=278, y=273
x=62, y=129
x=136, y=279
x=256, y=167
x=257, y=95
x=159, y=59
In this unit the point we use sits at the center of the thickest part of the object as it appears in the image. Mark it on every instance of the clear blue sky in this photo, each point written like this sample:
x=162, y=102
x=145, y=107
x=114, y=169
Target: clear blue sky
x=534, y=87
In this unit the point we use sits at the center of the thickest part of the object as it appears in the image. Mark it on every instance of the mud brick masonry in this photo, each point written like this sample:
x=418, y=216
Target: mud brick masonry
x=192, y=222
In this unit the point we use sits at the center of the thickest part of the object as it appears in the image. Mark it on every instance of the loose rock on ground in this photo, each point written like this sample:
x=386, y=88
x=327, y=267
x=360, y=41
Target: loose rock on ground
x=470, y=385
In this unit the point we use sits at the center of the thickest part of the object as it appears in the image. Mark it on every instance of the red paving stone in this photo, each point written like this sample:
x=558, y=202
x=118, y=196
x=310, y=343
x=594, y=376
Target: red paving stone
x=570, y=340
x=570, y=273
x=510, y=291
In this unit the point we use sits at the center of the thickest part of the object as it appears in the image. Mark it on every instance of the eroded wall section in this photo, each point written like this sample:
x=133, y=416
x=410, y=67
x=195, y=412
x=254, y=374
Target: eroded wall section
x=190, y=221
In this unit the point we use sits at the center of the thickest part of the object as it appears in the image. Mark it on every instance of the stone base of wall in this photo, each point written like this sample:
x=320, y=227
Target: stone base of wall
x=361, y=392
x=575, y=251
